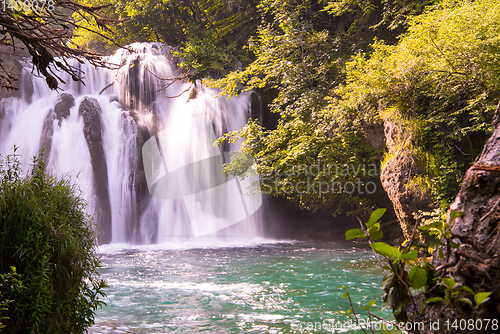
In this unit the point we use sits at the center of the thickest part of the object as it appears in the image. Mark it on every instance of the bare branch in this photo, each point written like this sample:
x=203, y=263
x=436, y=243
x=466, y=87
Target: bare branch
x=47, y=36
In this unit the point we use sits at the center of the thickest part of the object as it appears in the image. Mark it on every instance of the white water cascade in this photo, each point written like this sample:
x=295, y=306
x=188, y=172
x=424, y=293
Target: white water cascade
x=94, y=133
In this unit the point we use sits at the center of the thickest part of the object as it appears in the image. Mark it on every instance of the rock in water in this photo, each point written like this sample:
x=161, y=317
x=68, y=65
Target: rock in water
x=63, y=105
x=92, y=130
x=60, y=111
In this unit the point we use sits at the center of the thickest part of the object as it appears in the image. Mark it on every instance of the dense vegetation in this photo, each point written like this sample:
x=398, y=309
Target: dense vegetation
x=210, y=34
x=336, y=72
x=438, y=82
x=48, y=262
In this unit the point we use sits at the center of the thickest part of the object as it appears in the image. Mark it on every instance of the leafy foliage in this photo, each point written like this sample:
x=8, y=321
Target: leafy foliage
x=48, y=263
x=9, y=283
x=374, y=324
x=300, y=55
x=442, y=76
x=209, y=34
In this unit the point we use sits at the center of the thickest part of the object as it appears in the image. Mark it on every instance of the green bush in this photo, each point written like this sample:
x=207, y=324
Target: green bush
x=48, y=260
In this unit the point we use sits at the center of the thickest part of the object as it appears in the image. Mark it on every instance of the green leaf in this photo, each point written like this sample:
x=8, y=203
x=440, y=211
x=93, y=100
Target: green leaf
x=346, y=294
x=375, y=227
x=377, y=235
x=375, y=216
x=435, y=225
x=454, y=214
x=466, y=301
x=384, y=249
x=371, y=303
x=449, y=282
x=481, y=297
x=410, y=255
x=434, y=300
x=354, y=233
x=466, y=288
x=418, y=277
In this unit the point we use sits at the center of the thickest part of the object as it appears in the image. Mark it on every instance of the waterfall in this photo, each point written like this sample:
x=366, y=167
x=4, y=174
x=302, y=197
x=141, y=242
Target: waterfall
x=140, y=149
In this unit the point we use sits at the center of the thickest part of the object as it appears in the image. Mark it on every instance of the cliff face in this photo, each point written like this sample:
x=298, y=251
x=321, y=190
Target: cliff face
x=399, y=171
x=478, y=229
x=475, y=263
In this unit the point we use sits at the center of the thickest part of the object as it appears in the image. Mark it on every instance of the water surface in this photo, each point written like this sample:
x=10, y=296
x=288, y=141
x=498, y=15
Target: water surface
x=268, y=288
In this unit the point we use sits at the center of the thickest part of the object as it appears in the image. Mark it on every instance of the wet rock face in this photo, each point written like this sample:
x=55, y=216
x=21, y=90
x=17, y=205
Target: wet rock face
x=60, y=111
x=2, y=114
x=255, y=107
x=92, y=130
x=141, y=86
x=2, y=111
x=143, y=197
x=26, y=86
x=137, y=133
x=47, y=132
x=64, y=104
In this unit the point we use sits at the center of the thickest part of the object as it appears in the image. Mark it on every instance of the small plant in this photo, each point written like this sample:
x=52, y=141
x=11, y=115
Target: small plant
x=9, y=283
x=373, y=323
x=409, y=277
x=453, y=289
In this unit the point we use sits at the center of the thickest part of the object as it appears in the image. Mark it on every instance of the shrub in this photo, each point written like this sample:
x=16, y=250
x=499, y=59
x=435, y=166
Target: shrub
x=48, y=245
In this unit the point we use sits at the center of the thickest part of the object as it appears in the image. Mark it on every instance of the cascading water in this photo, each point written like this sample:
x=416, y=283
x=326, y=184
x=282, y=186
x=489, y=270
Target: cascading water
x=95, y=133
